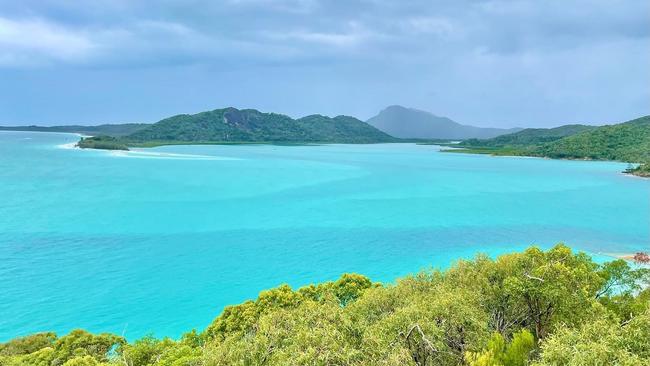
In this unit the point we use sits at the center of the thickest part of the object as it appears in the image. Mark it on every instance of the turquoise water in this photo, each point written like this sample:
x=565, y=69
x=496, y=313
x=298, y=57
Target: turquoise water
x=159, y=241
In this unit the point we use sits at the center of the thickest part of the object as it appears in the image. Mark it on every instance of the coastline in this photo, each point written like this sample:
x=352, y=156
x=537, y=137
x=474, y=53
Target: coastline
x=635, y=176
x=496, y=154
x=69, y=145
x=443, y=148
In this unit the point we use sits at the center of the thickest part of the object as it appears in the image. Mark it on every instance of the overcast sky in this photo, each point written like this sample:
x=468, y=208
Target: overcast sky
x=488, y=63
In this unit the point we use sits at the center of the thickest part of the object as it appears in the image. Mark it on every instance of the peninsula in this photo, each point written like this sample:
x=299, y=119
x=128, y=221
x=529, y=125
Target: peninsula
x=627, y=142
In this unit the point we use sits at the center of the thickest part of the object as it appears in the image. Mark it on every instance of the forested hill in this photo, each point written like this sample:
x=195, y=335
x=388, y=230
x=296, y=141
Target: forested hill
x=231, y=125
x=529, y=136
x=542, y=308
x=627, y=142
x=106, y=129
x=250, y=125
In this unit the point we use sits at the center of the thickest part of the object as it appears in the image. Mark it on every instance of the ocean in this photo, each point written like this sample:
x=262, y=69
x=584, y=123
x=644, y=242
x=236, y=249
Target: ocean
x=157, y=241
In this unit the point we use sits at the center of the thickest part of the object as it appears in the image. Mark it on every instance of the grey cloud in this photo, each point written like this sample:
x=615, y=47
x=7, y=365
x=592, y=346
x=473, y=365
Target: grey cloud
x=495, y=53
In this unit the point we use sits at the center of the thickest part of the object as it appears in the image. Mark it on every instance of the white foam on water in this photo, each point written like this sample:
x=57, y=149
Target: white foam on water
x=147, y=154
x=71, y=145
x=162, y=155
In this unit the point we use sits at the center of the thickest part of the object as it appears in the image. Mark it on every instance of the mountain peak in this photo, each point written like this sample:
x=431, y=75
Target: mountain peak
x=394, y=107
x=403, y=122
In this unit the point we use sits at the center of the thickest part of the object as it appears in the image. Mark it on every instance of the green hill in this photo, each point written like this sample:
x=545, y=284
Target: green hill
x=341, y=129
x=231, y=125
x=542, y=308
x=629, y=142
x=626, y=142
x=529, y=136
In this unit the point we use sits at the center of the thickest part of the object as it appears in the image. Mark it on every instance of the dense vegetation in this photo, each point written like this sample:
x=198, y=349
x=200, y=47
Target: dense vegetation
x=538, y=307
x=102, y=142
x=627, y=142
x=108, y=130
x=224, y=126
x=411, y=123
x=529, y=136
x=231, y=125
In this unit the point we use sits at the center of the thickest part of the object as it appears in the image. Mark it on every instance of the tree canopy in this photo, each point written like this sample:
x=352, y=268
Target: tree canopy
x=537, y=307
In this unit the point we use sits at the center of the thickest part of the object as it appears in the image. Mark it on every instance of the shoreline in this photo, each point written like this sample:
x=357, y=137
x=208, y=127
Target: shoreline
x=68, y=146
x=442, y=148
x=635, y=176
x=462, y=150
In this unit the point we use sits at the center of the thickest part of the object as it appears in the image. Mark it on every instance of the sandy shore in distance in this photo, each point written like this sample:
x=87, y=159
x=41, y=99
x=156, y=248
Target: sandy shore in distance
x=626, y=256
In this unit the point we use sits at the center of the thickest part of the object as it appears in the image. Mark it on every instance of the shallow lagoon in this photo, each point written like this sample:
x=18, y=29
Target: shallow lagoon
x=159, y=240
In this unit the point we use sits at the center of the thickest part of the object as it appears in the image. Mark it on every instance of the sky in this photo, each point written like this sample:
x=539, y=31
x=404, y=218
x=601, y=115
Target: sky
x=500, y=63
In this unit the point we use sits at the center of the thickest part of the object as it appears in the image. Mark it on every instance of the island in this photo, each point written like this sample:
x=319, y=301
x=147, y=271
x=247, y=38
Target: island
x=626, y=142
x=234, y=126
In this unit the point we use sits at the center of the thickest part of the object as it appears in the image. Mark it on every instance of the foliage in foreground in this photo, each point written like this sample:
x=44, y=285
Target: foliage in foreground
x=538, y=307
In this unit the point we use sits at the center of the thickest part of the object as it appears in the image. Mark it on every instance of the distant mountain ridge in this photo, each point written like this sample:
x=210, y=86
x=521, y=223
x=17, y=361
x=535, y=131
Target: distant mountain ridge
x=105, y=129
x=407, y=123
x=232, y=125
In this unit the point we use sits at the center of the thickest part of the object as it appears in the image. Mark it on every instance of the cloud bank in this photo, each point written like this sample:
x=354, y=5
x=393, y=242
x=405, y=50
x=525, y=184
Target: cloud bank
x=498, y=62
